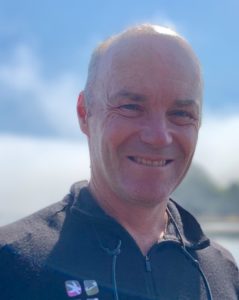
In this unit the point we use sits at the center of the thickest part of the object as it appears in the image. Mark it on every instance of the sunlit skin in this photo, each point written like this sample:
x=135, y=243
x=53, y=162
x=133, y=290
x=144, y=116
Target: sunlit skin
x=142, y=131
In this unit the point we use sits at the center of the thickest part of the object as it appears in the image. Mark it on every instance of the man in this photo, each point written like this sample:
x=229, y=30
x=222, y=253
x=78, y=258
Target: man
x=120, y=236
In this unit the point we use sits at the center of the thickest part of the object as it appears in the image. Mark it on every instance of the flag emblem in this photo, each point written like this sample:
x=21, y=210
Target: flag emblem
x=91, y=287
x=73, y=288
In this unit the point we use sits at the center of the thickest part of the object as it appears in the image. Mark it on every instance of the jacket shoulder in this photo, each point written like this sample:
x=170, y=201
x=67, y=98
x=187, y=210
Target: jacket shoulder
x=223, y=253
x=42, y=227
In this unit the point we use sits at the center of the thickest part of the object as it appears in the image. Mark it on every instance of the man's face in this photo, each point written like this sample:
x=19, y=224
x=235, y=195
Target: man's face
x=143, y=131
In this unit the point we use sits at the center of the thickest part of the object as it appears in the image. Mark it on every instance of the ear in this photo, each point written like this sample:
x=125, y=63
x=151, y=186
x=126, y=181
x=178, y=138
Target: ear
x=82, y=113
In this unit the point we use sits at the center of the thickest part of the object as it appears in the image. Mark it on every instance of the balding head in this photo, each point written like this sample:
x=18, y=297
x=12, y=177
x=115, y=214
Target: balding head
x=167, y=45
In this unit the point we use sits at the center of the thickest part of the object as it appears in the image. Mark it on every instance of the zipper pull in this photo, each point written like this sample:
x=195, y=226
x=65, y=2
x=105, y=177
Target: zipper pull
x=147, y=264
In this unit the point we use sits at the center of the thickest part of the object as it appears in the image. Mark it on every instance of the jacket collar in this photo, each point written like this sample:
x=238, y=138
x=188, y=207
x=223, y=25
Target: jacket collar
x=182, y=226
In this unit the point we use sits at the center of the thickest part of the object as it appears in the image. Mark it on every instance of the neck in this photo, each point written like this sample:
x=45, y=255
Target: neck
x=145, y=224
x=147, y=228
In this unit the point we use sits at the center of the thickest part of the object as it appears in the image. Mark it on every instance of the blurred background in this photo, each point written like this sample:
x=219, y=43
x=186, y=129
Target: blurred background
x=45, y=48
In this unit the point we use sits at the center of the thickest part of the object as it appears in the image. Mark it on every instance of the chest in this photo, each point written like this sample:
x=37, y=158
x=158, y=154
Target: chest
x=92, y=273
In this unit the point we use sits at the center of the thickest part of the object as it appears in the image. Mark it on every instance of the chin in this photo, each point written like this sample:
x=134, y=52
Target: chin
x=146, y=195
x=148, y=201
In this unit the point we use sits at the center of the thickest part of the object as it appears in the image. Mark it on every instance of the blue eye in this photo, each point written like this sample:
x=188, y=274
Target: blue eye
x=183, y=117
x=182, y=114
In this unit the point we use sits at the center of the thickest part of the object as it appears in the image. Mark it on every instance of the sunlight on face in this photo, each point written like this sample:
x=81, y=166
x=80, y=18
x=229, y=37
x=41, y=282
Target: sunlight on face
x=142, y=136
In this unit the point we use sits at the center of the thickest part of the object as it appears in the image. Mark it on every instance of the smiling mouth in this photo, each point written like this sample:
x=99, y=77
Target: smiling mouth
x=149, y=162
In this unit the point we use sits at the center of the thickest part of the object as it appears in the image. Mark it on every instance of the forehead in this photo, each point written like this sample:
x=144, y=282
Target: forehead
x=151, y=64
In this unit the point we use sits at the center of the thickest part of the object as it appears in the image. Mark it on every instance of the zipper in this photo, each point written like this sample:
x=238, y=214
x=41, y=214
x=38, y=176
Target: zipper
x=149, y=279
x=147, y=264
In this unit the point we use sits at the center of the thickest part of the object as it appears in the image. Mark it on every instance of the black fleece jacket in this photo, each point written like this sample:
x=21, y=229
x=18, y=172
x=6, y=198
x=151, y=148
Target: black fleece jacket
x=73, y=250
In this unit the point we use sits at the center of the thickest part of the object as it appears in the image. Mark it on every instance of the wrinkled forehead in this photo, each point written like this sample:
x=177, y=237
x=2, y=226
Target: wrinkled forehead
x=160, y=56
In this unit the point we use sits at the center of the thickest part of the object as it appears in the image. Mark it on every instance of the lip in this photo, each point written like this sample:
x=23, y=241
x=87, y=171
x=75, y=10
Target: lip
x=150, y=162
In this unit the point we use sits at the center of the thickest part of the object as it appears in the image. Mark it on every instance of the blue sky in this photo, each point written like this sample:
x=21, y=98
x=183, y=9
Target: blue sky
x=45, y=48
x=56, y=38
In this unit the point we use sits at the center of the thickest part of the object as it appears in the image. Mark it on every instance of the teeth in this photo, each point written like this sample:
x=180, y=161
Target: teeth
x=151, y=163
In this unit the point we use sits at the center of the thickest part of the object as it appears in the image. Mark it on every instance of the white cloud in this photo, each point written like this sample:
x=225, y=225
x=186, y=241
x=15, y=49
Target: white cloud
x=35, y=173
x=21, y=71
x=22, y=74
x=218, y=148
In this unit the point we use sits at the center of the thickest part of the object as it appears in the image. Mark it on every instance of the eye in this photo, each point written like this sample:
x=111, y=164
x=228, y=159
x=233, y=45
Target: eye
x=130, y=107
x=182, y=114
x=130, y=110
x=182, y=117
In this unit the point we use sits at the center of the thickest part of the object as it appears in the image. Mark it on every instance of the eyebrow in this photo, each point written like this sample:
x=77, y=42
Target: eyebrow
x=186, y=102
x=129, y=95
x=142, y=98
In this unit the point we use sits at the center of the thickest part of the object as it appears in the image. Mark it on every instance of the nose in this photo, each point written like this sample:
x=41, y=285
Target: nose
x=156, y=132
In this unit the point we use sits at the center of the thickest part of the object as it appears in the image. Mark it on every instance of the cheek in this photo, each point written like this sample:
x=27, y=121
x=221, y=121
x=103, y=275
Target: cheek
x=95, y=141
x=103, y=140
x=118, y=130
x=188, y=140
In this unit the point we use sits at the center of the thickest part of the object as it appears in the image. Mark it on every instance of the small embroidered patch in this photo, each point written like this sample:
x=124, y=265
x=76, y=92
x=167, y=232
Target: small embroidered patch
x=73, y=288
x=91, y=287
